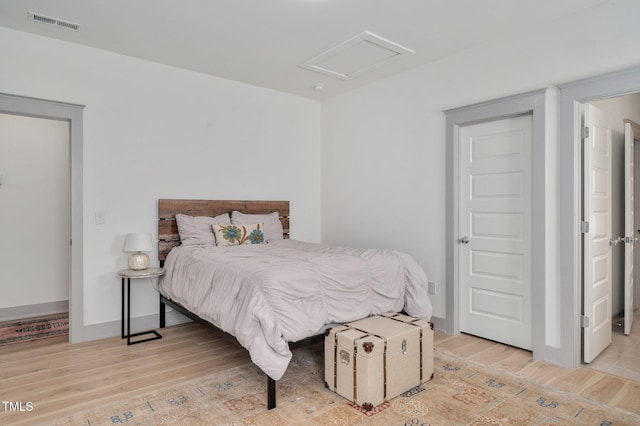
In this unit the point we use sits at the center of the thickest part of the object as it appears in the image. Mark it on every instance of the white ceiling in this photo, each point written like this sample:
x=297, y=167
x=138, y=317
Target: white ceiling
x=264, y=42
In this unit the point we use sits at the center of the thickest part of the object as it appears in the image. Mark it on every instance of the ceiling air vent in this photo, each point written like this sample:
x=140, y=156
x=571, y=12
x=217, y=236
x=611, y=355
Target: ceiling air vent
x=49, y=20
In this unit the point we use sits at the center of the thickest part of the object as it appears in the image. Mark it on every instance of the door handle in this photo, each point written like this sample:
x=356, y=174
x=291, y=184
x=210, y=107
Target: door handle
x=464, y=240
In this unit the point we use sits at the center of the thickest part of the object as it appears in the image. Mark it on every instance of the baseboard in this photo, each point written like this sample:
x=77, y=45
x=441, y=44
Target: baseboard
x=28, y=311
x=114, y=328
x=440, y=324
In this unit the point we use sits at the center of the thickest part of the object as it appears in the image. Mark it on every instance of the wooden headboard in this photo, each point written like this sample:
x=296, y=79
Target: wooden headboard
x=167, y=209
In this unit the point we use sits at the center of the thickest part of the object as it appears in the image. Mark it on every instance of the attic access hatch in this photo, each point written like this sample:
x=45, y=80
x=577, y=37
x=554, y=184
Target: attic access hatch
x=357, y=56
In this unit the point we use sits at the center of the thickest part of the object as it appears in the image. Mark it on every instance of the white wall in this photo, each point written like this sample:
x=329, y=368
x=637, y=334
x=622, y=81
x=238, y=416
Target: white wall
x=153, y=131
x=383, y=157
x=34, y=211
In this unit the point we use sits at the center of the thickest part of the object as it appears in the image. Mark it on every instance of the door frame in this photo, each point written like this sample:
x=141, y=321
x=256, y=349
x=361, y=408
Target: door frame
x=527, y=103
x=572, y=96
x=72, y=113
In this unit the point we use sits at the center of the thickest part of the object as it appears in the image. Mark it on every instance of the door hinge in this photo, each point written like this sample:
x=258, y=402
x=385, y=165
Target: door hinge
x=584, y=321
x=584, y=132
x=584, y=227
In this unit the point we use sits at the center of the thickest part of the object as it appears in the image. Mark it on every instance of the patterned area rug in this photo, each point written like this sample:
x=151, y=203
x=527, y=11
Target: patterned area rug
x=34, y=328
x=461, y=393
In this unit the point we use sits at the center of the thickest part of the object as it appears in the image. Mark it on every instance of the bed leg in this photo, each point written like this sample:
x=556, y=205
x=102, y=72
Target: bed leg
x=271, y=393
x=163, y=309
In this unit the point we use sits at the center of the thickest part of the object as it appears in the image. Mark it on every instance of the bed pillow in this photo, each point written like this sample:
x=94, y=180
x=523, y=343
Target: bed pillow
x=272, y=225
x=196, y=230
x=234, y=235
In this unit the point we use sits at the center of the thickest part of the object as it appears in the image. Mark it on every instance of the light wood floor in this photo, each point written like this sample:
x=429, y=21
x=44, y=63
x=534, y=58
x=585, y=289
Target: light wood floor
x=622, y=356
x=59, y=378
x=609, y=389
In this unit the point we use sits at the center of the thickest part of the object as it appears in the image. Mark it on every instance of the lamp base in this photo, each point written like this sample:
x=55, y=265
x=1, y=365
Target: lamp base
x=139, y=261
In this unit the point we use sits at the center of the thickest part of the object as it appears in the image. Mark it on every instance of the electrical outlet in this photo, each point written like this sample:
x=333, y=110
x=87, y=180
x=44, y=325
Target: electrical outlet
x=100, y=219
x=431, y=289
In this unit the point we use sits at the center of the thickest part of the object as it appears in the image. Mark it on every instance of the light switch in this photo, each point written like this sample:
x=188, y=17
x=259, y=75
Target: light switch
x=100, y=219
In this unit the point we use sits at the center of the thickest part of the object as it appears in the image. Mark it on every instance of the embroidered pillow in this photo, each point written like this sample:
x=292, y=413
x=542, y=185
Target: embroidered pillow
x=234, y=235
x=196, y=230
x=272, y=226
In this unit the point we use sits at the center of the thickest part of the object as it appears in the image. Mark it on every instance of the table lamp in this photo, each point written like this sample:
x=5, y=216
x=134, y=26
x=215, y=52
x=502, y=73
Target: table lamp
x=136, y=244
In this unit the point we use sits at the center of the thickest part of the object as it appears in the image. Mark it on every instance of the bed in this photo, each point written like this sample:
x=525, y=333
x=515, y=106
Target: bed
x=278, y=292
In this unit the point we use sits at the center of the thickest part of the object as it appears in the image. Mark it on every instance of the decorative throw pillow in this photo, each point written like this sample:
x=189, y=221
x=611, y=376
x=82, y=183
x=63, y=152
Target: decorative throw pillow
x=272, y=225
x=234, y=235
x=197, y=230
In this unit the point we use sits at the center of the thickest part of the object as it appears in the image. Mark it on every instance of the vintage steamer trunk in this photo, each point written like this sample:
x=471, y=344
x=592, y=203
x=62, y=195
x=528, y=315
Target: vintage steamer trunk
x=377, y=358
x=426, y=343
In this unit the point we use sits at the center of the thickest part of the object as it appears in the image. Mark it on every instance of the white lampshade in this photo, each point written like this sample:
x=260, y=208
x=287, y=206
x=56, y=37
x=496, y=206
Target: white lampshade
x=137, y=243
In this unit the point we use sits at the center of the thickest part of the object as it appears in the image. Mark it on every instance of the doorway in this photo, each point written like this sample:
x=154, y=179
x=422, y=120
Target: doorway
x=530, y=104
x=572, y=97
x=616, y=356
x=35, y=211
x=71, y=113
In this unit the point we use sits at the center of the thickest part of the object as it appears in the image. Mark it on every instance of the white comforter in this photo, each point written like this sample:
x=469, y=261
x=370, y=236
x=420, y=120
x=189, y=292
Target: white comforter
x=267, y=295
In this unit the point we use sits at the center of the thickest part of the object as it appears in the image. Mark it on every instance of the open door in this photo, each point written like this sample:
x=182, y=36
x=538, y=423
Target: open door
x=629, y=238
x=596, y=228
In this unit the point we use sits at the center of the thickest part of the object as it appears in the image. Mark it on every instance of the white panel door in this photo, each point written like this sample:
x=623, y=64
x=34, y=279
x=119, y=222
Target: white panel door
x=629, y=239
x=495, y=247
x=597, y=250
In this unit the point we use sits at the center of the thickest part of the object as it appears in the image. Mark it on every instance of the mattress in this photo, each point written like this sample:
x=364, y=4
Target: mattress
x=267, y=295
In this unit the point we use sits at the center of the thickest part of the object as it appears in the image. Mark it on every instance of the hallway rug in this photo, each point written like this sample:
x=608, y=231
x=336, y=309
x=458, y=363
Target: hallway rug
x=461, y=393
x=33, y=328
